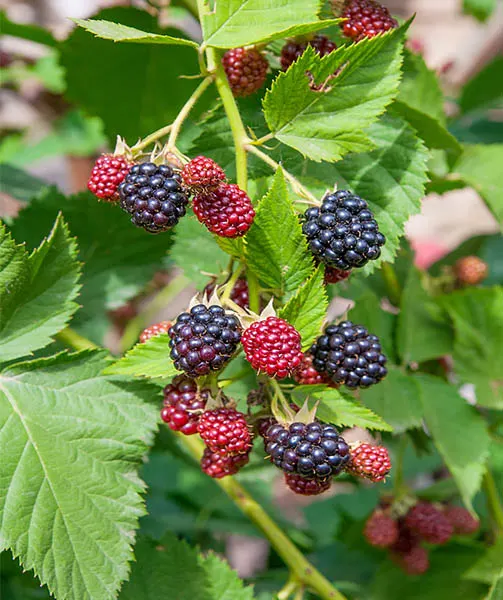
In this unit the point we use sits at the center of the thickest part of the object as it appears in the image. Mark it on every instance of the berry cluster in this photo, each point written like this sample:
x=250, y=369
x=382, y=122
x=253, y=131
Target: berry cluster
x=246, y=70
x=306, y=374
x=108, y=172
x=154, y=330
x=292, y=50
x=202, y=174
x=471, y=270
x=183, y=405
x=370, y=462
x=365, y=19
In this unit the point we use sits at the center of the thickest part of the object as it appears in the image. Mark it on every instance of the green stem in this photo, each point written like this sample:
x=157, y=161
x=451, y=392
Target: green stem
x=191, y=6
x=288, y=589
x=398, y=465
x=153, y=137
x=302, y=569
x=231, y=282
x=253, y=291
x=393, y=287
x=493, y=501
x=71, y=338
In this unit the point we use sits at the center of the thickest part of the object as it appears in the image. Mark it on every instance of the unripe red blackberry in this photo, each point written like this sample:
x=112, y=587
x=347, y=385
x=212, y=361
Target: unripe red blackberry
x=306, y=374
x=371, y=462
x=365, y=19
x=225, y=430
x=272, y=346
x=204, y=339
x=335, y=275
x=153, y=330
x=219, y=464
x=292, y=50
x=183, y=405
x=381, y=530
x=429, y=523
x=306, y=487
x=461, y=520
x=348, y=354
x=239, y=293
x=202, y=174
x=413, y=562
x=246, y=70
x=108, y=172
x=407, y=539
x=314, y=451
x=471, y=270
x=226, y=211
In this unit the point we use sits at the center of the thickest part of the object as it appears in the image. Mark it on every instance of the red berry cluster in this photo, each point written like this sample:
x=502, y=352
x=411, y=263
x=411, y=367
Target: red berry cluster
x=370, y=462
x=292, y=50
x=365, y=19
x=306, y=374
x=306, y=487
x=183, y=405
x=153, y=330
x=108, y=172
x=333, y=275
x=246, y=70
x=202, y=173
x=471, y=270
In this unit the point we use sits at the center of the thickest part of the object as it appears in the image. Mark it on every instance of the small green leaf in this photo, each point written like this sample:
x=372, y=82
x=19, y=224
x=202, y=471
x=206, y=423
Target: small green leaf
x=223, y=582
x=307, y=309
x=276, y=250
x=484, y=89
x=147, y=359
x=30, y=32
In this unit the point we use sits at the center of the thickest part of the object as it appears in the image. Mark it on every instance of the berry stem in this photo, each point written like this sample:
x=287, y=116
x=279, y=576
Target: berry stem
x=150, y=139
x=74, y=340
x=231, y=282
x=304, y=571
x=493, y=502
x=392, y=284
x=253, y=292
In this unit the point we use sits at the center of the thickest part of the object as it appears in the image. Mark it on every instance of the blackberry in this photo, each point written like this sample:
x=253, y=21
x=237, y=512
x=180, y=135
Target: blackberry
x=430, y=523
x=292, y=50
x=371, y=462
x=365, y=19
x=202, y=173
x=204, y=339
x=471, y=270
x=314, y=451
x=183, y=405
x=348, y=354
x=335, y=275
x=108, y=172
x=307, y=487
x=246, y=70
x=381, y=530
x=153, y=196
x=239, y=293
x=225, y=430
x=413, y=562
x=218, y=464
x=342, y=233
x=153, y=330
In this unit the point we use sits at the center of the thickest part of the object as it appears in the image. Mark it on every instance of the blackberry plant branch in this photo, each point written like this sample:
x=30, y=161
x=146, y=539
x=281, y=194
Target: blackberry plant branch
x=253, y=291
x=392, y=284
x=74, y=340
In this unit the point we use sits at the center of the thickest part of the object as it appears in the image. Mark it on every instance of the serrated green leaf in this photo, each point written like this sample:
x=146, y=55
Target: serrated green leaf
x=307, y=309
x=147, y=359
x=447, y=414
x=484, y=89
x=480, y=9
x=424, y=331
x=244, y=22
x=109, y=30
x=489, y=567
x=223, y=582
x=37, y=291
x=70, y=498
x=327, y=124
x=276, y=250
x=19, y=184
x=26, y=31
x=477, y=315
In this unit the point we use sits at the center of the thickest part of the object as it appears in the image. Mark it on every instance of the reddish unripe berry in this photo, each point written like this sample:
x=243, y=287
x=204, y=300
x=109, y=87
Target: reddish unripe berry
x=183, y=405
x=461, y=520
x=306, y=374
x=219, y=464
x=108, y=172
x=239, y=293
x=306, y=487
x=429, y=523
x=227, y=211
x=335, y=275
x=407, y=539
x=153, y=330
x=371, y=462
x=272, y=346
x=381, y=530
x=292, y=50
x=413, y=562
x=365, y=19
x=471, y=270
x=225, y=430
x=246, y=70
x=202, y=174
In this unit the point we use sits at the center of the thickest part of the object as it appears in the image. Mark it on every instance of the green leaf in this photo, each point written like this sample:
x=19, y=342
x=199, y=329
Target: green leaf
x=479, y=167
x=19, y=184
x=496, y=591
x=447, y=414
x=276, y=250
x=223, y=582
x=396, y=399
x=236, y=23
x=424, y=331
x=122, y=33
x=480, y=9
x=327, y=124
x=148, y=359
x=477, y=315
x=489, y=567
x=70, y=495
x=30, y=32
x=307, y=309
x=37, y=291
x=484, y=89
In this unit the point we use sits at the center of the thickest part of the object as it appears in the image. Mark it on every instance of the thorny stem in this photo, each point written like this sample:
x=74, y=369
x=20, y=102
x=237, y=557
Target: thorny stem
x=493, y=501
x=393, y=287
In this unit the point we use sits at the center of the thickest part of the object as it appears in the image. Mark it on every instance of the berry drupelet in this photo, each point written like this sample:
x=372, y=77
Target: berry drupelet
x=430, y=523
x=365, y=19
x=183, y=405
x=381, y=530
x=153, y=196
x=292, y=50
x=204, y=339
x=342, y=233
x=202, y=174
x=219, y=464
x=371, y=462
x=306, y=487
x=348, y=354
x=153, y=330
x=246, y=70
x=225, y=430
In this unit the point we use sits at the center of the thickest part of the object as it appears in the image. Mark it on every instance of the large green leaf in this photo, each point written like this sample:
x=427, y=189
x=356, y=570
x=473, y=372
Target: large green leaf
x=70, y=495
x=276, y=250
x=459, y=433
x=148, y=359
x=19, y=184
x=477, y=315
x=37, y=291
x=326, y=124
x=484, y=89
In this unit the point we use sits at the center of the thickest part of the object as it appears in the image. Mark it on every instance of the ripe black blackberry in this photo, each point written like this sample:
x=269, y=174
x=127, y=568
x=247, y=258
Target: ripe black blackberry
x=153, y=196
x=204, y=339
x=342, y=232
x=348, y=354
x=314, y=451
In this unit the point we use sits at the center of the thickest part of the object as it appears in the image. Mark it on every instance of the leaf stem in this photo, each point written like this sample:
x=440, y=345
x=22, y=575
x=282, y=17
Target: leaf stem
x=302, y=569
x=493, y=501
x=393, y=287
x=70, y=337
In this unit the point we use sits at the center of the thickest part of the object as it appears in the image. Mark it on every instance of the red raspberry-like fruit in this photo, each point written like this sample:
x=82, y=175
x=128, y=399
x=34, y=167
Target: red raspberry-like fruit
x=153, y=330
x=407, y=539
x=227, y=211
x=381, y=530
x=219, y=464
x=306, y=374
x=225, y=430
x=246, y=70
x=335, y=275
x=272, y=346
x=429, y=523
x=413, y=562
x=365, y=19
x=471, y=270
x=202, y=174
x=371, y=462
x=183, y=405
x=461, y=520
x=292, y=50
x=108, y=172
x=306, y=487
x=239, y=293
